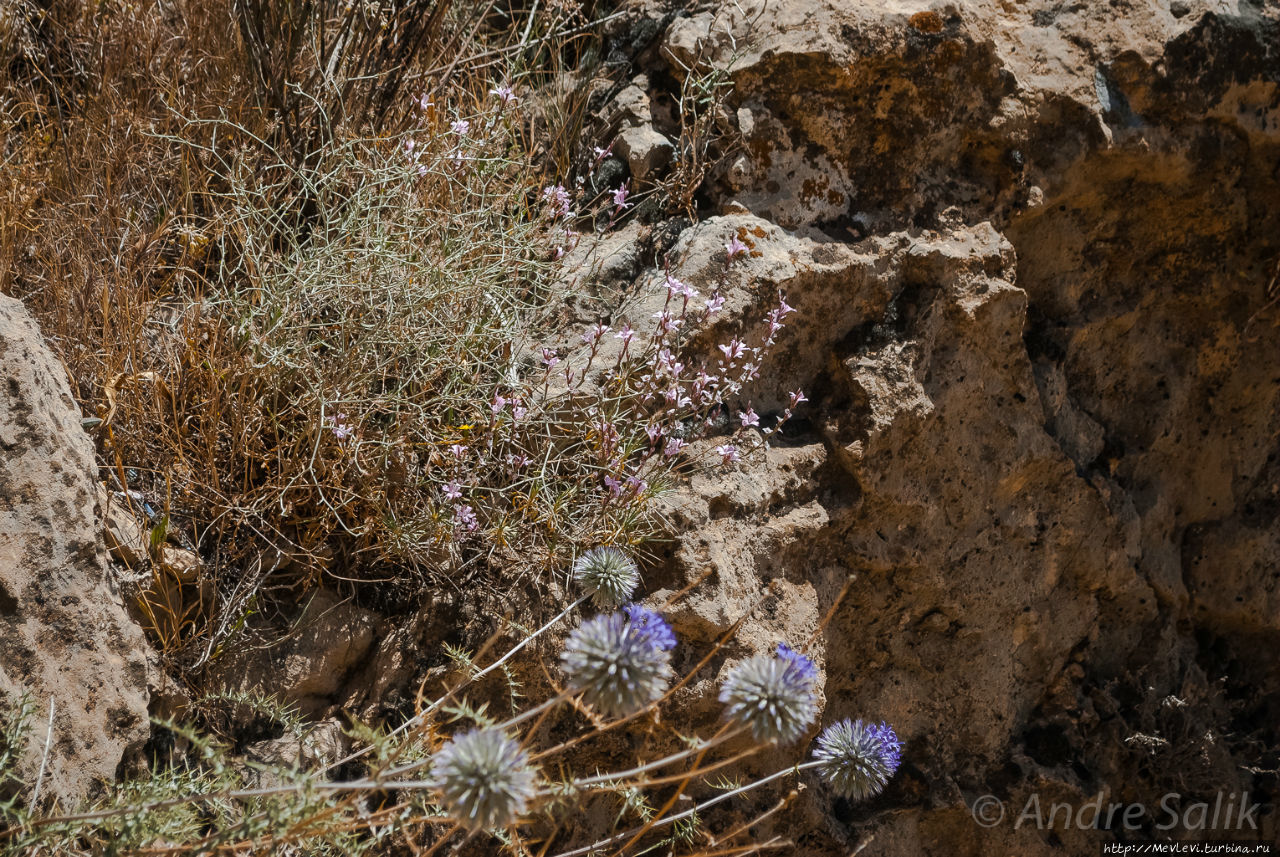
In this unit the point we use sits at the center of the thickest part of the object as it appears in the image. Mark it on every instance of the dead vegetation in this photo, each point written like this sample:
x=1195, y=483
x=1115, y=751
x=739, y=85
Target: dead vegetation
x=281, y=280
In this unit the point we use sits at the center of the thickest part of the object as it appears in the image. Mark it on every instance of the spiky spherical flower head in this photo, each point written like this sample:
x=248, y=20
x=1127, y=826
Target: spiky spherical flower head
x=484, y=778
x=858, y=758
x=775, y=695
x=608, y=575
x=620, y=662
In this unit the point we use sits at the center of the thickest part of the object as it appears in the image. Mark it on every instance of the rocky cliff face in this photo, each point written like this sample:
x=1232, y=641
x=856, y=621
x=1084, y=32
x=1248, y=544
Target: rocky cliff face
x=1033, y=252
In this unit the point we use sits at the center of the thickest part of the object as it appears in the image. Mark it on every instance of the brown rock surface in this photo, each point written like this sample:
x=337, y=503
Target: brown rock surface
x=303, y=658
x=64, y=634
x=1033, y=254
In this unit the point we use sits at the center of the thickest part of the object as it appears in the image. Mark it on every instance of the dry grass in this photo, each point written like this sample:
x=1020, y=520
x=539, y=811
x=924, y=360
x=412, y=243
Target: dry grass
x=274, y=319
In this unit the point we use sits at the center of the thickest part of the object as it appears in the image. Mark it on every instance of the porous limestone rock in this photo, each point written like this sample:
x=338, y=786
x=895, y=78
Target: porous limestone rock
x=1032, y=254
x=304, y=659
x=64, y=636
x=646, y=150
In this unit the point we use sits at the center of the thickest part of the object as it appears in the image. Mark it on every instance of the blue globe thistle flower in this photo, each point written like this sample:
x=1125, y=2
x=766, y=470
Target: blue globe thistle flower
x=618, y=662
x=774, y=695
x=608, y=575
x=646, y=621
x=799, y=662
x=484, y=778
x=858, y=758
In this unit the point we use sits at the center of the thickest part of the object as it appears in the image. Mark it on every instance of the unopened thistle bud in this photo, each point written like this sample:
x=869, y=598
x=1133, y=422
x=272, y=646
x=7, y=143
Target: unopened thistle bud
x=608, y=575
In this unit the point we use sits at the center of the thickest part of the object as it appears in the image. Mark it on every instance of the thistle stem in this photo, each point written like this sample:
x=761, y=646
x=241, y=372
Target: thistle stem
x=658, y=763
x=680, y=816
x=420, y=716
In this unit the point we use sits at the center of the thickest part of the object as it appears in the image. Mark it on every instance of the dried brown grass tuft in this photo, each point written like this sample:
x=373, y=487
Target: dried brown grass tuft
x=209, y=207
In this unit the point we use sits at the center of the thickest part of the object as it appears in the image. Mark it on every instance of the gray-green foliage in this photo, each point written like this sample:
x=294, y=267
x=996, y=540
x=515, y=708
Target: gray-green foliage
x=15, y=727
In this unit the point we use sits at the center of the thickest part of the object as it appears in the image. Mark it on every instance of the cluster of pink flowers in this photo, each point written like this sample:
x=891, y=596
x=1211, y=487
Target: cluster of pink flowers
x=653, y=405
x=624, y=489
x=558, y=199
x=671, y=402
x=464, y=518
x=467, y=132
x=560, y=212
x=496, y=452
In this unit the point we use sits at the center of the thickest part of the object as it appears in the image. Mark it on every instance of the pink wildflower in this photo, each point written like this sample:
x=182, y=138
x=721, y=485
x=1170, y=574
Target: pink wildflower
x=735, y=349
x=464, y=517
x=505, y=94
x=614, y=486
x=595, y=333
x=667, y=322
x=775, y=323
x=668, y=363
x=558, y=197
x=339, y=426
x=678, y=288
x=620, y=197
